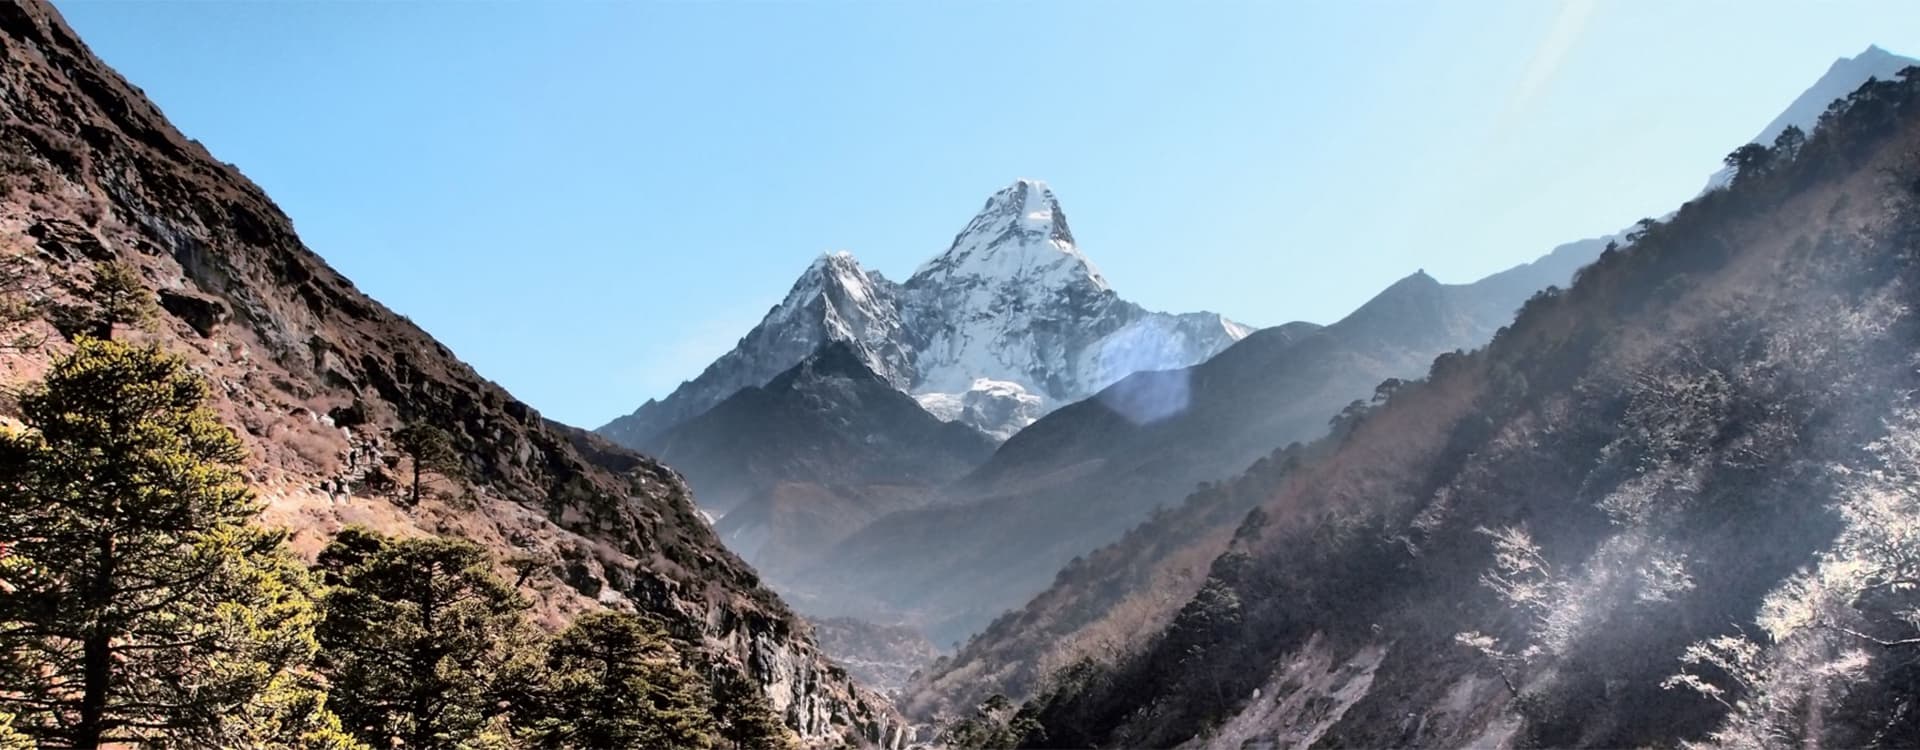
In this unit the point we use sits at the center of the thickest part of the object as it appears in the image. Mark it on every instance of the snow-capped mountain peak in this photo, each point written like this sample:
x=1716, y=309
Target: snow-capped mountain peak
x=1011, y=321
x=834, y=300
x=1020, y=233
x=838, y=276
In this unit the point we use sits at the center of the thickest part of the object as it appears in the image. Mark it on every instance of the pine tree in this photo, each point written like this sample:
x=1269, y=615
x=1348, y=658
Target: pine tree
x=431, y=449
x=747, y=720
x=138, y=604
x=119, y=297
x=414, y=633
x=21, y=302
x=612, y=681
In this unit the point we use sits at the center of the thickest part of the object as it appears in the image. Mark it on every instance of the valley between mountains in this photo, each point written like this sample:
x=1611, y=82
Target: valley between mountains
x=1656, y=488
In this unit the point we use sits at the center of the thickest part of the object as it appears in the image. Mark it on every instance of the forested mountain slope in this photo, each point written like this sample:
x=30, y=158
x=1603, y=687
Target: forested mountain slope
x=317, y=378
x=1120, y=593
x=1674, y=502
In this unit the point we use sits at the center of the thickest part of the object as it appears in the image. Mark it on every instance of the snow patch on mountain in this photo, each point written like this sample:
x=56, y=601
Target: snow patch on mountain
x=998, y=407
x=946, y=407
x=1150, y=342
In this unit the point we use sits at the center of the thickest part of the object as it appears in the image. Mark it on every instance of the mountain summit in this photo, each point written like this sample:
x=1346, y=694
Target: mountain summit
x=1011, y=321
x=1020, y=235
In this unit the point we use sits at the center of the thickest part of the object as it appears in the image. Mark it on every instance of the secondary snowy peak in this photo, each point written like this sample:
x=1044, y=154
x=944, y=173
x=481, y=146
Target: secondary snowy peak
x=847, y=303
x=835, y=299
x=1020, y=235
x=836, y=273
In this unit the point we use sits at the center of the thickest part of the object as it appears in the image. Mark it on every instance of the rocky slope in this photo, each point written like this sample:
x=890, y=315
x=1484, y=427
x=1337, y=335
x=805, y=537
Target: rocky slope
x=1673, y=503
x=897, y=650
x=813, y=455
x=1009, y=322
x=315, y=375
x=1083, y=475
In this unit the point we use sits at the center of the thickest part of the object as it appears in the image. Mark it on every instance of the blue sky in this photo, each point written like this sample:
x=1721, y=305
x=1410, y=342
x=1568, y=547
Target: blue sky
x=590, y=201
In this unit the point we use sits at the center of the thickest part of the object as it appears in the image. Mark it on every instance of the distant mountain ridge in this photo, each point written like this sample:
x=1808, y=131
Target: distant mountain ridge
x=1670, y=505
x=1082, y=475
x=1011, y=321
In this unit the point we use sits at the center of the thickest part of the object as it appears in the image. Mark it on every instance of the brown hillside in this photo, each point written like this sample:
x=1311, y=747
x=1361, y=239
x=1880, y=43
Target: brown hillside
x=315, y=376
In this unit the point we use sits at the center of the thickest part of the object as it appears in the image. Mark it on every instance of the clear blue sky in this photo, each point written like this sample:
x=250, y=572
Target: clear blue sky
x=590, y=201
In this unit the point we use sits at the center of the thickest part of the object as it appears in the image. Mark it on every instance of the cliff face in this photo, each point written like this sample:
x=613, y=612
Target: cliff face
x=315, y=375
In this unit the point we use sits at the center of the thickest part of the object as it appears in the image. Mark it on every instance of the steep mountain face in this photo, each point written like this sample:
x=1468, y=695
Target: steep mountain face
x=1083, y=475
x=1014, y=300
x=1671, y=504
x=315, y=376
x=1117, y=596
x=1010, y=322
x=897, y=650
x=825, y=447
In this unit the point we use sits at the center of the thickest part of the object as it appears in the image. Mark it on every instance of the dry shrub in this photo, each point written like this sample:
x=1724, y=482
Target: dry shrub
x=315, y=443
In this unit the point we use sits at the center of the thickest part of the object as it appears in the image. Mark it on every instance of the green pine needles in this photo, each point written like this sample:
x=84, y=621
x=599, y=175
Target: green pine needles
x=141, y=604
x=138, y=603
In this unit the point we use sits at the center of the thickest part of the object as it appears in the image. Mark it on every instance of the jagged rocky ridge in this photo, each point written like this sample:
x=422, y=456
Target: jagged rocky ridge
x=313, y=374
x=1673, y=503
x=1009, y=322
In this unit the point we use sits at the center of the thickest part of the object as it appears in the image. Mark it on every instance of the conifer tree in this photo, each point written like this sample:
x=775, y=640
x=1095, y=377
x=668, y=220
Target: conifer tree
x=747, y=720
x=413, y=635
x=612, y=681
x=119, y=297
x=431, y=449
x=20, y=302
x=138, y=604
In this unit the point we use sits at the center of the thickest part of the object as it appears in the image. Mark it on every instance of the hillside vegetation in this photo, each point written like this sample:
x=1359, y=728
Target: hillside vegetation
x=1673, y=502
